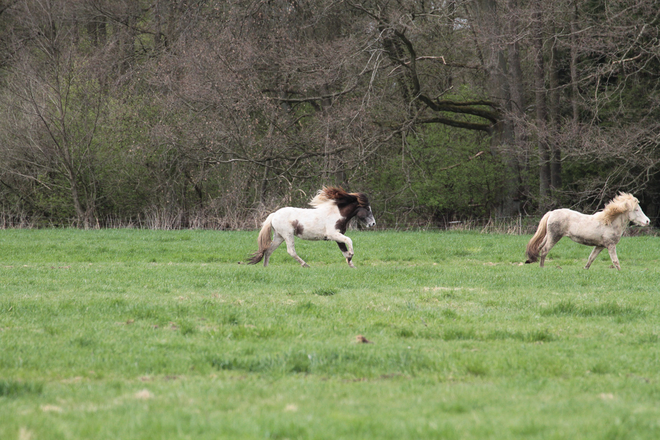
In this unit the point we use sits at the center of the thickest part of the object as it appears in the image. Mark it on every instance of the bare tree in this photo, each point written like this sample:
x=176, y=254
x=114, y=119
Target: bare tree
x=224, y=109
x=53, y=105
x=614, y=96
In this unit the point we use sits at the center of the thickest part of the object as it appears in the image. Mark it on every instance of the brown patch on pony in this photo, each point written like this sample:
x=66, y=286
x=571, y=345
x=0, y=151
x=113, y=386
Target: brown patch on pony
x=342, y=223
x=621, y=204
x=297, y=228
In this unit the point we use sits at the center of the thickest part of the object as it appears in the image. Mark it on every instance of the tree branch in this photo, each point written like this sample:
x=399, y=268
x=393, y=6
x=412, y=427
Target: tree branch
x=487, y=128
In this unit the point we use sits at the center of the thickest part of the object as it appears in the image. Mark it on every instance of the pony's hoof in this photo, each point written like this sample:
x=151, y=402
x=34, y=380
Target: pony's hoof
x=305, y=265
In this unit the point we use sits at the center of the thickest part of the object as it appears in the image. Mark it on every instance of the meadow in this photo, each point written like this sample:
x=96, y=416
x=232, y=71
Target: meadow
x=142, y=334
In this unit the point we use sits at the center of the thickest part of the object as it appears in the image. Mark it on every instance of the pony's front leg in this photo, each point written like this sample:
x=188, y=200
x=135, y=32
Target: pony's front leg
x=345, y=245
x=615, y=260
x=593, y=256
x=348, y=255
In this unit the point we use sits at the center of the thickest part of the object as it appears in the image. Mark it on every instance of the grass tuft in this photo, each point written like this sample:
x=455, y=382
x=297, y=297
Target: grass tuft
x=325, y=291
x=609, y=309
x=14, y=388
x=458, y=334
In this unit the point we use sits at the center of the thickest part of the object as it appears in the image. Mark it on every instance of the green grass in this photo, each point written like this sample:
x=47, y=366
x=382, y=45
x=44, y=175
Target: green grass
x=164, y=335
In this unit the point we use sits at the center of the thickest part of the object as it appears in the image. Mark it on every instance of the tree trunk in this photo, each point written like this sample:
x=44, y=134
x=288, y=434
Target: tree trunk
x=83, y=215
x=541, y=111
x=574, y=74
x=517, y=91
x=495, y=65
x=555, y=156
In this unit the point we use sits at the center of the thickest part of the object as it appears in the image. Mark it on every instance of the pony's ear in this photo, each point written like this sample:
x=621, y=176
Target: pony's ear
x=362, y=199
x=631, y=202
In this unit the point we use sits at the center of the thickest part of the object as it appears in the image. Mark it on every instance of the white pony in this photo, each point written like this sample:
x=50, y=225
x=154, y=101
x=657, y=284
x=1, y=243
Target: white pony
x=328, y=220
x=602, y=230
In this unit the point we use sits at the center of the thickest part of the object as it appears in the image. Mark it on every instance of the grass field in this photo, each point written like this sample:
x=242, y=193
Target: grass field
x=137, y=334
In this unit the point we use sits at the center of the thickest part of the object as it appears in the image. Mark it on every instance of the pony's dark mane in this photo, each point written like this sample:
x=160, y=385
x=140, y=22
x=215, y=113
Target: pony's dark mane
x=339, y=197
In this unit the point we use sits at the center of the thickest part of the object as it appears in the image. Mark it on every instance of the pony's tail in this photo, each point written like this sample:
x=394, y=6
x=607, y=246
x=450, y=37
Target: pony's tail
x=537, y=241
x=264, y=241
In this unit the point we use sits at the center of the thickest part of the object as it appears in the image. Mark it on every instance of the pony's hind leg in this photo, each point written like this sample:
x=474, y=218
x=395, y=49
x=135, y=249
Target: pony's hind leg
x=291, y=249
x=593, y=256
x=545, y=250
x=277, y=240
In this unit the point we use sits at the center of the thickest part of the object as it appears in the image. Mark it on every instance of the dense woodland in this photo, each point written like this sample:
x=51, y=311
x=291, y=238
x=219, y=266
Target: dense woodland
x=209, y=113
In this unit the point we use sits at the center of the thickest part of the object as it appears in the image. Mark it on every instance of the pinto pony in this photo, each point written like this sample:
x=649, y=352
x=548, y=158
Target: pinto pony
x=602, y=230
x=328, y=220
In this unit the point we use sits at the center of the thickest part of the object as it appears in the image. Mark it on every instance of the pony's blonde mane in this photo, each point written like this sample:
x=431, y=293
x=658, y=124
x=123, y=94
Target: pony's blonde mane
x=621, y=204
x=331, y=194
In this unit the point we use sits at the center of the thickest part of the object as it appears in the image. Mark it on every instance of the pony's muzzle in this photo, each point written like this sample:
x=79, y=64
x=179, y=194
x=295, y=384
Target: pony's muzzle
x=643, y=222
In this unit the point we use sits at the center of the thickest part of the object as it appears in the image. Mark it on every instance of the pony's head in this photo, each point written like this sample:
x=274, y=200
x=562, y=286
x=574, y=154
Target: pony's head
x=638, y=217
x=628, y=205
x=364, y=214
